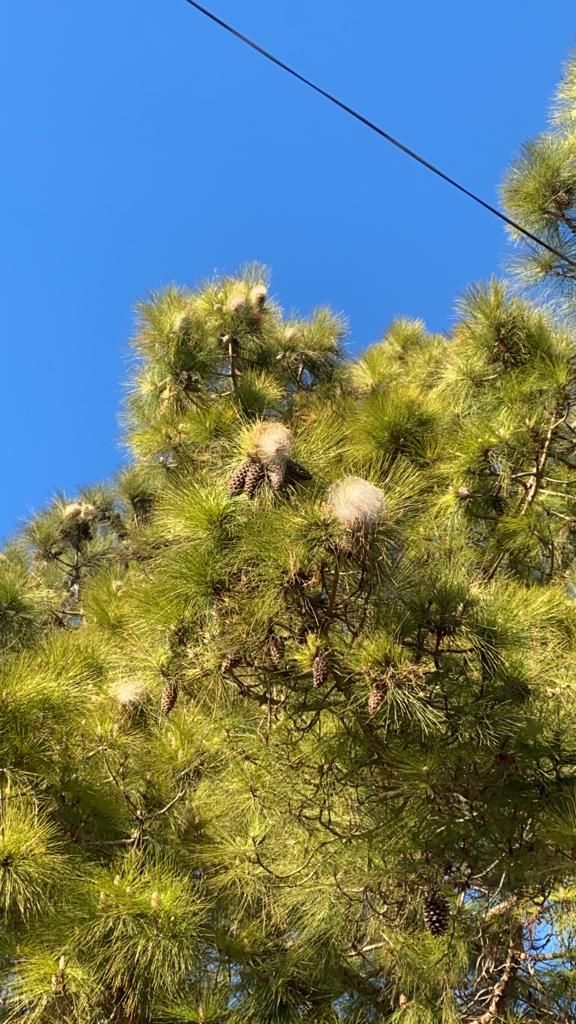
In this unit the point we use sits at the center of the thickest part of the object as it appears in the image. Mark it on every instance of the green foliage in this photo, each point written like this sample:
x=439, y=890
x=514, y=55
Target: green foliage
x=370, y=661
x=539, y=191
x=24, y=602
x=31, y=856
x=264, y=853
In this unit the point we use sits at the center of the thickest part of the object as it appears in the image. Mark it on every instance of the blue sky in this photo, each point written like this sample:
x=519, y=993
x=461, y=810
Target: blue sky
x=142, y=146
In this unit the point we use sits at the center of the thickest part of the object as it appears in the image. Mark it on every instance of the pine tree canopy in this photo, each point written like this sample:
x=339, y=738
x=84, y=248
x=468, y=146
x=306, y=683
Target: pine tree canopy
x=540, y=191
x=288, y=727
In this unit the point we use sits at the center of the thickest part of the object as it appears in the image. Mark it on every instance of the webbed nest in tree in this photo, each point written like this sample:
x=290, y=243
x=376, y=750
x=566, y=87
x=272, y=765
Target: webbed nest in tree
x=358, y=507
x=130, y=693
x=271, y=442
x=132, y=697
x=77, y=520
x=356, y=503
x=257, y=296
x=78, y=510
x=268, y=462
x=245, y=300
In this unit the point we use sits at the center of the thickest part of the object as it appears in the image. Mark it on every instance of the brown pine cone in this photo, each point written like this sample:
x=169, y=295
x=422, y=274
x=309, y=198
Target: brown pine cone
x=275, y=476
x=238, y=478
x=254, y=477
x=169, y=696
x=295, y=472
x=319, y=670
x=376, y=697
x=276, y=648
x=436, y=913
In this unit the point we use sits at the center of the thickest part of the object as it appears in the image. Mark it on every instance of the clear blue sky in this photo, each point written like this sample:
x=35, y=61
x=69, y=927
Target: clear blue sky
x=143, y=146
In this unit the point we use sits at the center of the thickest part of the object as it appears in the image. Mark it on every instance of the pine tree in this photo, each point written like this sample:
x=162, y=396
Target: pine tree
x=539, y=191
x=397, y=841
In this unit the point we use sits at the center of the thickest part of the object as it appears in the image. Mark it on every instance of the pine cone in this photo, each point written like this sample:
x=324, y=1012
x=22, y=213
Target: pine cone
x=376, y=697
x=295, y=472
x=169, y=696
x=319, y=670
x=237, y=480
x=230, y=661
x=436, y=913
x=276, y=476
x=254, y=477
x=276, y=648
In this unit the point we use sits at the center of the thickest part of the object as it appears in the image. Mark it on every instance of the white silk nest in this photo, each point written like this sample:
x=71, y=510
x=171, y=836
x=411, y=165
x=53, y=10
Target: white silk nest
x=356, y=504
x=258, y=295
x=130, y=693
x=78, y=510
x=272, y=443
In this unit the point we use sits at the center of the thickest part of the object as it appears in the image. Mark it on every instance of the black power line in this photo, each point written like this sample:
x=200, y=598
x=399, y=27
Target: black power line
x=380, y=131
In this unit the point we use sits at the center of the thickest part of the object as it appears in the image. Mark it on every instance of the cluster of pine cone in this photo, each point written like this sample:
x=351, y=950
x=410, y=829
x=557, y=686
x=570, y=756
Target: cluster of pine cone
x=249, y=476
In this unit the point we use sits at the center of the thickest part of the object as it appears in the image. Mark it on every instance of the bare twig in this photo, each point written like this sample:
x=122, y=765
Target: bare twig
x=174, y=800
x=541, y=460
x=232, y=356
x=502, y=907
x=500, y=989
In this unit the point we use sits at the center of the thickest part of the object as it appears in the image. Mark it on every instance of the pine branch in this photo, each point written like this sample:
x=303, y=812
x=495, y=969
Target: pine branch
x=542, y=459
x=296, y=871
x=501, y=908
x=564, y=955
x=500, y=990
x=233, y=350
